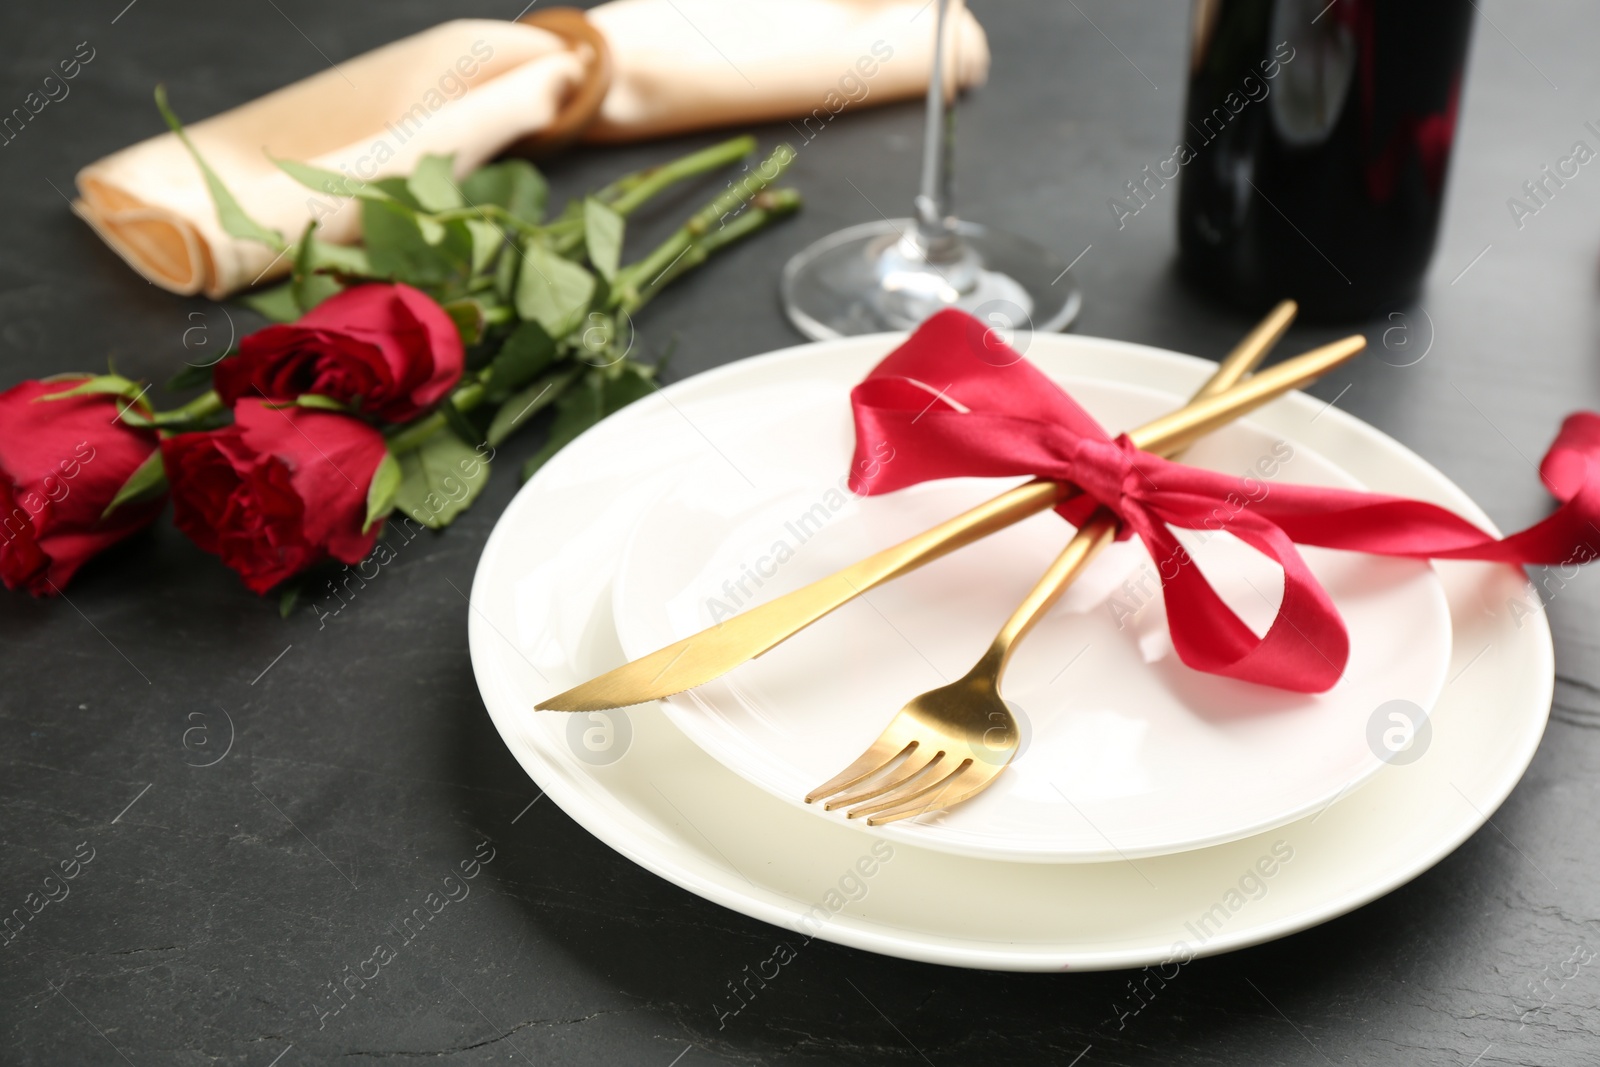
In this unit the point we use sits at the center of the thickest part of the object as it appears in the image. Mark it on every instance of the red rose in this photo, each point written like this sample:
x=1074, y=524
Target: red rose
x=388, y=350
x=61, y=463
x=278, y=491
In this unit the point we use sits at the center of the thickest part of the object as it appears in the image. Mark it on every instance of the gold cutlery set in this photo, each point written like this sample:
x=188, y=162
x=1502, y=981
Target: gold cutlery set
x=949, y=744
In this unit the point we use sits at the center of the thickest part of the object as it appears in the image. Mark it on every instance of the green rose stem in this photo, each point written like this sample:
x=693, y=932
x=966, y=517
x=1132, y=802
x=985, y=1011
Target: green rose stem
x=649, y=270
x=206, y=404
x=765, y=207
x=624, y=196
x=690, y=246
x=467, y=396
x=627, y=193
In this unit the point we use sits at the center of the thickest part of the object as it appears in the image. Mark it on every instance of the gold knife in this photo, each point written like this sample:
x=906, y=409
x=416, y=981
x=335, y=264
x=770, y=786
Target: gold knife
x=712, y=652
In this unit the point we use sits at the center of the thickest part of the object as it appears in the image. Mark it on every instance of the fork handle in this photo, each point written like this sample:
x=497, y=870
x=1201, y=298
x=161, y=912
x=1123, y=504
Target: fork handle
x=1095, y=534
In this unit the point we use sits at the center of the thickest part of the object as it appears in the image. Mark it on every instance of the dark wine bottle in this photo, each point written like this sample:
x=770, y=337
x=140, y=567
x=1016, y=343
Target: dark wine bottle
x=1316, y=143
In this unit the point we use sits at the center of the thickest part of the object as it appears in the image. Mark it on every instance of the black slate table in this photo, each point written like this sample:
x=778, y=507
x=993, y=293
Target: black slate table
x=221, y=900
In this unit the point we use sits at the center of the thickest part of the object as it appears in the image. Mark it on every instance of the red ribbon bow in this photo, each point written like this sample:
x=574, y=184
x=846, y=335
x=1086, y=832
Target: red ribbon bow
x=953, y=402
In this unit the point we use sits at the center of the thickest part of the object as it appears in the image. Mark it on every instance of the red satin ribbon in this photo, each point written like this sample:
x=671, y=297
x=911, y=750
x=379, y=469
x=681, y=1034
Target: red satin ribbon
x=953, y=401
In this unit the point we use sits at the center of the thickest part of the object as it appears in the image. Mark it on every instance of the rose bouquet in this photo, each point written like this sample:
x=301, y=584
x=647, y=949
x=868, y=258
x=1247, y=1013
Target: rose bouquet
x=393, y=370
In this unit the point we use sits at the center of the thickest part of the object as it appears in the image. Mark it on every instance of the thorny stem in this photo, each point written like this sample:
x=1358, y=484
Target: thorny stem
x=633, y=281
x=765, y=208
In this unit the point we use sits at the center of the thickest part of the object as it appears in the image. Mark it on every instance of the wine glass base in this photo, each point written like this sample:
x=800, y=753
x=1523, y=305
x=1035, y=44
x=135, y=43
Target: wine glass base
x=859, y=280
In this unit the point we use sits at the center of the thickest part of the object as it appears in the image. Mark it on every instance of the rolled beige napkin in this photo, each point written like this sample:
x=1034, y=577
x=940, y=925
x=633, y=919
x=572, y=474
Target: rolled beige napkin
x=474, y=87
x=467, y=87
x=690, y=64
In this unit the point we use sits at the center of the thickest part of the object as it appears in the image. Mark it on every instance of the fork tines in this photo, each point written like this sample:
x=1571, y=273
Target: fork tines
x=905, y=784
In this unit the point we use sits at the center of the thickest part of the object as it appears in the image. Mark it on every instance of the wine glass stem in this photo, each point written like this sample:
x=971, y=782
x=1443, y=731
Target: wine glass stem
x=933, y=202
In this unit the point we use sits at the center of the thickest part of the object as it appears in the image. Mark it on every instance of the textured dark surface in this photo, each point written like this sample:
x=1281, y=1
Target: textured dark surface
x=218, y=907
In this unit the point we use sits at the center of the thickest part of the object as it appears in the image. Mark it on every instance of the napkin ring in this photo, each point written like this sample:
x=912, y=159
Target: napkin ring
x=582, y=104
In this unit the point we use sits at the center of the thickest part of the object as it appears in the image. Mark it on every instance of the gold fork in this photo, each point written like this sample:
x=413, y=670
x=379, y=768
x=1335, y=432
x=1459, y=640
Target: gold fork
x=941, y=748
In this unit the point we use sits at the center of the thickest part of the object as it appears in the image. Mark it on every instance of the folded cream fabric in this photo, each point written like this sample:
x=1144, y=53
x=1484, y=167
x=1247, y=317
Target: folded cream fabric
x=475, y=87
x=689, y=64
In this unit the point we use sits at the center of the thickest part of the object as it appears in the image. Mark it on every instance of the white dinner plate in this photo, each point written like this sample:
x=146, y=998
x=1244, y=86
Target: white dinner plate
x=1126, y=752
x=540, y=622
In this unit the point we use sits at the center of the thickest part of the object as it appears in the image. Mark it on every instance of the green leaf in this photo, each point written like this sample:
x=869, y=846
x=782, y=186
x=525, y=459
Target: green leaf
x=486, y=241
x=397, y=190
x=458, y=422
x=233, y=218
x=381, y=493
x=468, y=315
x=330, y=181
x=310, y=288
x=432, y=229
x=602, y=234
x=276, y=303
x=578, y=409
x=147, y=482
x=520, y=407
x=602, y=299
x=571, y=217
x=340, y=259
x=433, y=184
x=505, y=271
x=439, y=479
x=399, y=249
x=290, y=596
x=602, y=335
x=514, y=185
x=313, y=289
x=552, y=291
x=526, y=353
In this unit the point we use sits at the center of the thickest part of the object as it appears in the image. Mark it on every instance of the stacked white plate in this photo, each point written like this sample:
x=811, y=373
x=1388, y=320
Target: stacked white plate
x=1154, y=813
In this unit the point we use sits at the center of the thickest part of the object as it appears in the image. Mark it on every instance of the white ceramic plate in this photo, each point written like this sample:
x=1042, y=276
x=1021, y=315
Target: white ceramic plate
x=1127, y=752
x=540, y=623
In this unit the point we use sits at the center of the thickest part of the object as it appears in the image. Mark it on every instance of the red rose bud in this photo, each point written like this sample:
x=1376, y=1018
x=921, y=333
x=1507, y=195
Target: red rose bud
x=62, y=463
x=387, y=350
x=278, y=491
